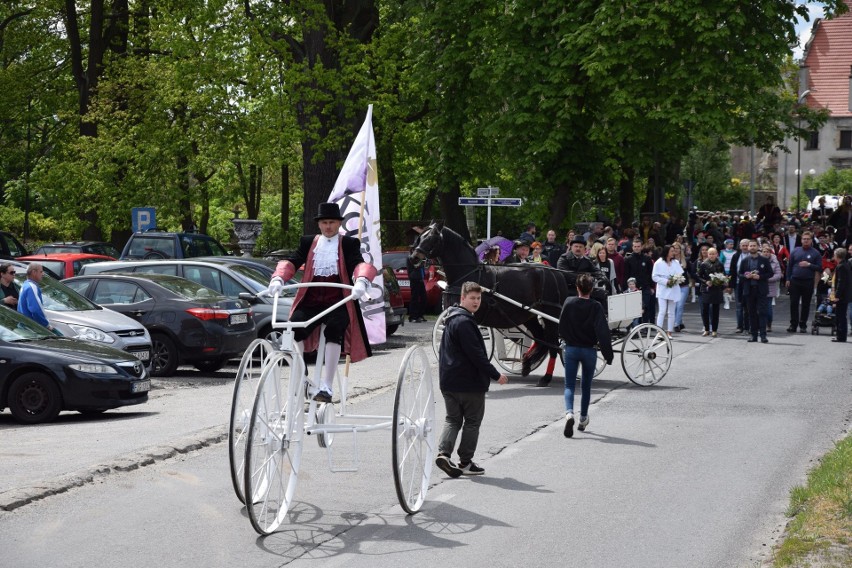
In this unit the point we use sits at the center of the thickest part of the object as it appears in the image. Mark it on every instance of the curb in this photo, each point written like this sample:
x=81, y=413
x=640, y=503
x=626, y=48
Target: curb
x=20, y=496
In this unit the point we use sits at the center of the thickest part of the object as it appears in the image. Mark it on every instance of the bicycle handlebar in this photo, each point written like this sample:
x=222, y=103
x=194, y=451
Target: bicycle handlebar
x=300, y=324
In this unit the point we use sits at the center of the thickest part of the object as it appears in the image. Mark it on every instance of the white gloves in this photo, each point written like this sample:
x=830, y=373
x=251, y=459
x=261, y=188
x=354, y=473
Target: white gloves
x=275, y=286
x=360, y=287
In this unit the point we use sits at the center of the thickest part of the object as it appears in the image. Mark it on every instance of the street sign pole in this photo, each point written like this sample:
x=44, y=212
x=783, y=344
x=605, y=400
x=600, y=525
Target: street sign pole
x=486, y=197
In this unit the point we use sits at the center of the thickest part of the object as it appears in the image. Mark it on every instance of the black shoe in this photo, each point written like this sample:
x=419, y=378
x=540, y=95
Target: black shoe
x=739, y=330
x=791, y=329
x=322, y=396
x=752, y=340
x=803, y=329
x=835, y=340
x=471, y=469
x=448, y=467
x=764, y=340
x=569, y=426
x=544, y=381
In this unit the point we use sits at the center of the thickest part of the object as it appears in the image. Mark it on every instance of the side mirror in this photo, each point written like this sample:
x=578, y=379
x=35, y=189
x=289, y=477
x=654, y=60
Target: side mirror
x=250, y=298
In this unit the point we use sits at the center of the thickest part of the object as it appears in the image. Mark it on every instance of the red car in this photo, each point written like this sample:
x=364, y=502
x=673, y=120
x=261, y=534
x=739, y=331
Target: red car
x=396, y=259
x=63, y=265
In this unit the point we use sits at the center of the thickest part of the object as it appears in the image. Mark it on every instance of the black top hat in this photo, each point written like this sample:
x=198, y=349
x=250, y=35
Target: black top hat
x=328, y=211
x=520, y=243
x=578, y=240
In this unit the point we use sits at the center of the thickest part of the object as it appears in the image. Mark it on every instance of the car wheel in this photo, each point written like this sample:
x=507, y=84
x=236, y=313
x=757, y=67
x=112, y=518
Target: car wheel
x=391, y=329
x=34, y=397
x=164, y=356
x=212, y=365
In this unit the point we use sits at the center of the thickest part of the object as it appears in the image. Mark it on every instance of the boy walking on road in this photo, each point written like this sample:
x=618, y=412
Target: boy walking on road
x=465, y=375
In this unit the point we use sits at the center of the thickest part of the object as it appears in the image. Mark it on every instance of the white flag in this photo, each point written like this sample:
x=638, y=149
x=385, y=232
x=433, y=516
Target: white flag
x=357, y=189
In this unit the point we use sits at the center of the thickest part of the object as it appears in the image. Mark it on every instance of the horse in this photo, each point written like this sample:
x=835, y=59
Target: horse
x=535, y=286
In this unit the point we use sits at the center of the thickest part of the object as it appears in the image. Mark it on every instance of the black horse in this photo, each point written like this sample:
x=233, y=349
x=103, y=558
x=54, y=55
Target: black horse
x=535, y=286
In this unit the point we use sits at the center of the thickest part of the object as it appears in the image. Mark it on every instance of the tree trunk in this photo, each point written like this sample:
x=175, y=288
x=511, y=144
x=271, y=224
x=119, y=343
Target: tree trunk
x=626, y=196
x=559, y=206
x=285, y=197
x=388, y=190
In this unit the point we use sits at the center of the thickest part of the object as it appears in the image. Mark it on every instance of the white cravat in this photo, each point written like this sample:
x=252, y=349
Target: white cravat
x=325, y=256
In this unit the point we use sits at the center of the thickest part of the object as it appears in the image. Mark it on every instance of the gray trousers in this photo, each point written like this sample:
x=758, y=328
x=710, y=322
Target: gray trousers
x=464, y=412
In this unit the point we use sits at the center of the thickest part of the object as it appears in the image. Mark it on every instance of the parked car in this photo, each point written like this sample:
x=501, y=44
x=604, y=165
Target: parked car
x=396, y=259
x=189, y=323
x=89, y=247
x=10, y=247
x=64, y=264
x=43, y=374
x=227, y=275
x=74, y=316
x=160, y=244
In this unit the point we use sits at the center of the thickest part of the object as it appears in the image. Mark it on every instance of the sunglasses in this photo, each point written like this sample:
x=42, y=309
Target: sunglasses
x=9, y=272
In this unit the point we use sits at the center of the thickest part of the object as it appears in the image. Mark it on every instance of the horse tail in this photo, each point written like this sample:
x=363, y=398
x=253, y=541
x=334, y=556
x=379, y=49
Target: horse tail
x=533, y=357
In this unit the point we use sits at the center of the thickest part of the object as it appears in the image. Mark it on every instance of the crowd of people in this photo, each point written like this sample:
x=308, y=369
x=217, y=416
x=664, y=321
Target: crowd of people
x=723, y=260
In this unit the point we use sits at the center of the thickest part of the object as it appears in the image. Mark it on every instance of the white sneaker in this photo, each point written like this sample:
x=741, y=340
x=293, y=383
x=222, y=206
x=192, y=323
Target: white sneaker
x=584, y=421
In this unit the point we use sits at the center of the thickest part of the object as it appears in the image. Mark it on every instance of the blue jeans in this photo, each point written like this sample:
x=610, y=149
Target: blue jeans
x=684, y=294
x=576, y=357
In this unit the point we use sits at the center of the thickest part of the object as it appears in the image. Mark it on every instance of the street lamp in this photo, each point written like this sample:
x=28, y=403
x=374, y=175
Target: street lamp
x=802, y=97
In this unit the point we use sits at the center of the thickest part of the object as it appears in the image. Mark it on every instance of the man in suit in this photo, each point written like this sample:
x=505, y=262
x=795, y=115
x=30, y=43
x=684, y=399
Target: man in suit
x=822, y=212
x=804, y=266
x=735, y=285
x=330, y=258
x=754, y=274
x=792, y=239
x=842, y=291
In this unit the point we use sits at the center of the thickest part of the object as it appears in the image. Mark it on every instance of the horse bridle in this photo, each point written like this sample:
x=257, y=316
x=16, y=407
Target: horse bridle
x=419, y=255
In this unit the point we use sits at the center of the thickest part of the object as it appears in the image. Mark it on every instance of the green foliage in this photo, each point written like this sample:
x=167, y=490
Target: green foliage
x=833, y=182
x=708, y=164
x=41, y=228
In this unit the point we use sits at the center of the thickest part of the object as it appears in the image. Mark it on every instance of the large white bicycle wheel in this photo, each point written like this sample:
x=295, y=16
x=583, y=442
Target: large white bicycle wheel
x=274, y=443
x=438, y=332
x=242, y=402
x=509, y=349
x=646, y=354
x=414, y=447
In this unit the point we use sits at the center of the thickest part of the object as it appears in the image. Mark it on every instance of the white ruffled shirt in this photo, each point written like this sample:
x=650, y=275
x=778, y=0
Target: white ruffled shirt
x=325, y=256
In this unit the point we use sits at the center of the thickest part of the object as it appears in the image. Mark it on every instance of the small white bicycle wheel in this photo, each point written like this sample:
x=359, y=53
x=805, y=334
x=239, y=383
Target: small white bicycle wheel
x=242, y=401
x=414, y=447
x=646, y=354
x=274, y=443
x=509, y=349
x=488, y=336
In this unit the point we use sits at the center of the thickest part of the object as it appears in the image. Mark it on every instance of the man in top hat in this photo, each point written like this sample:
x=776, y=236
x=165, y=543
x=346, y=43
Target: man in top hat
x=520, y=252
x=333, y=258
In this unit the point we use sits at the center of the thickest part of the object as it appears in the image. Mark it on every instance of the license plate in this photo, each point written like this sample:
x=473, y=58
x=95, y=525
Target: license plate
x=140, y=386
x=404, y=283
x=237, y=319
x=141, y=355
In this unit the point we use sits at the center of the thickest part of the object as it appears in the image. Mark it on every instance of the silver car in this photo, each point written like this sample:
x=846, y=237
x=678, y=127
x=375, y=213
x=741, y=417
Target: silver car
x=75, y=316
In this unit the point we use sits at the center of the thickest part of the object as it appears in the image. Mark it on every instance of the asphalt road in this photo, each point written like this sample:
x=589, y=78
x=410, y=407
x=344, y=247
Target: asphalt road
x=695, y=471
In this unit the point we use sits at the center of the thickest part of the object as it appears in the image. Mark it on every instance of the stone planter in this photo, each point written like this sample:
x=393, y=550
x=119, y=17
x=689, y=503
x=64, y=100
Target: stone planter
x=247, y=231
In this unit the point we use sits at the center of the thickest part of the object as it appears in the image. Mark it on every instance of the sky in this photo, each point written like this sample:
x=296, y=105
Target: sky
x=804, y=28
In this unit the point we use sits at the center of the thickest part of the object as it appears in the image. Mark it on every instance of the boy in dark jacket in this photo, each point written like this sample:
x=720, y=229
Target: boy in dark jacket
x=465, y=375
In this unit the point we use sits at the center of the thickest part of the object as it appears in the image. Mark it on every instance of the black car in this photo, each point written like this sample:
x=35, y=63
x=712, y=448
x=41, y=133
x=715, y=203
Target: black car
x=90, y=247
x=42, y=374
x=189, y=323
x=161, y=244
x=10, y=247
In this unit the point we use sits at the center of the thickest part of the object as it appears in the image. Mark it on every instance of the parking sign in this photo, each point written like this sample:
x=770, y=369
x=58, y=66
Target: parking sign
x=143, y=218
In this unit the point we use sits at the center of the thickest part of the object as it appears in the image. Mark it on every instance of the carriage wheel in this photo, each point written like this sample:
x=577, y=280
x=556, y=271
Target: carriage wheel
x=438, y=332
x=600, y=364
x=242, y=402
x=509, y=352
x=274, y=442
x=646, y=354
x=414, y=445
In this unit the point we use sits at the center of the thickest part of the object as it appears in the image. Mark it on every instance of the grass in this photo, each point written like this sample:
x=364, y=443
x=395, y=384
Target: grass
x=820, y=532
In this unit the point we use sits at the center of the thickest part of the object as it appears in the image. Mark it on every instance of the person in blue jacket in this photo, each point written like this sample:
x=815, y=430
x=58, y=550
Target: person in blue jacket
x=465, y=375
x=29, y=299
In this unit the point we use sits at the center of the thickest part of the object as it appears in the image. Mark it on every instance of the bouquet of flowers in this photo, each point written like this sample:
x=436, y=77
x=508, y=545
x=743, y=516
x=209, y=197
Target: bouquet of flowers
x=675, y=280
x=719, y=279
x=826, y=277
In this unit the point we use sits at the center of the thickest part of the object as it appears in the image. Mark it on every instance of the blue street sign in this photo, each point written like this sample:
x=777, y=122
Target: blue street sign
x=506, y=202
x=473, y=201
x=143, y=218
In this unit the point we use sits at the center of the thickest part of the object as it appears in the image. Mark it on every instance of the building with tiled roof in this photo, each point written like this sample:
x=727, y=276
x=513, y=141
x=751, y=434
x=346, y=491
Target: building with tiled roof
x=825, y=81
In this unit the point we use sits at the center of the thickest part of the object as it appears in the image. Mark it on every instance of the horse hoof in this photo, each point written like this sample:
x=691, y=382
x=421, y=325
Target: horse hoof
x=544, y=381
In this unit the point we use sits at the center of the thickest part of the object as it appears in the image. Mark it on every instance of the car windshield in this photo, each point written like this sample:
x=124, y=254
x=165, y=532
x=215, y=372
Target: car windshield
x=17, y=327
x=187, y=288
x=59, y=297
x=256, y=279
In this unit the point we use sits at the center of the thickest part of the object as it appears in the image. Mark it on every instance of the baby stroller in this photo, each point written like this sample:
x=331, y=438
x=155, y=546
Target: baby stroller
x=823, y=320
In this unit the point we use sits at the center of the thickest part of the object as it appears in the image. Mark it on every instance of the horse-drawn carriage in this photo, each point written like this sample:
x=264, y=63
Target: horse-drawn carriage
x=520, y=310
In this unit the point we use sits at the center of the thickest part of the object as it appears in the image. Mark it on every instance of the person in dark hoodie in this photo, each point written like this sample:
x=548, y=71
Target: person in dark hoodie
x=465, y=375
x=582, y=324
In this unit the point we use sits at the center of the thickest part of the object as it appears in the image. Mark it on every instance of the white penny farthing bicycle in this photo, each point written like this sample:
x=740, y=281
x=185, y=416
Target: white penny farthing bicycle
x=272, y=415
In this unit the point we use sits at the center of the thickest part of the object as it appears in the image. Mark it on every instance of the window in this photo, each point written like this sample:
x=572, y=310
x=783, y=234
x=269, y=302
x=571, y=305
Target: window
x=117, y=292
x=813, y=141
x=845, y=140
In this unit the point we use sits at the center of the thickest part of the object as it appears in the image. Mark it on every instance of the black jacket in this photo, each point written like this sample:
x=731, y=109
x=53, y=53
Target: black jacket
x=843, y=282
x=750, y=286
x=351, y=252
x=639, y=266
x=582, y=324
x=710, y=294
x=463, y=365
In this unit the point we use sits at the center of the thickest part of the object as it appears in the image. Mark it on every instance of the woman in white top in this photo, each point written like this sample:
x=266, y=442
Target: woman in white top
x=666, y=273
